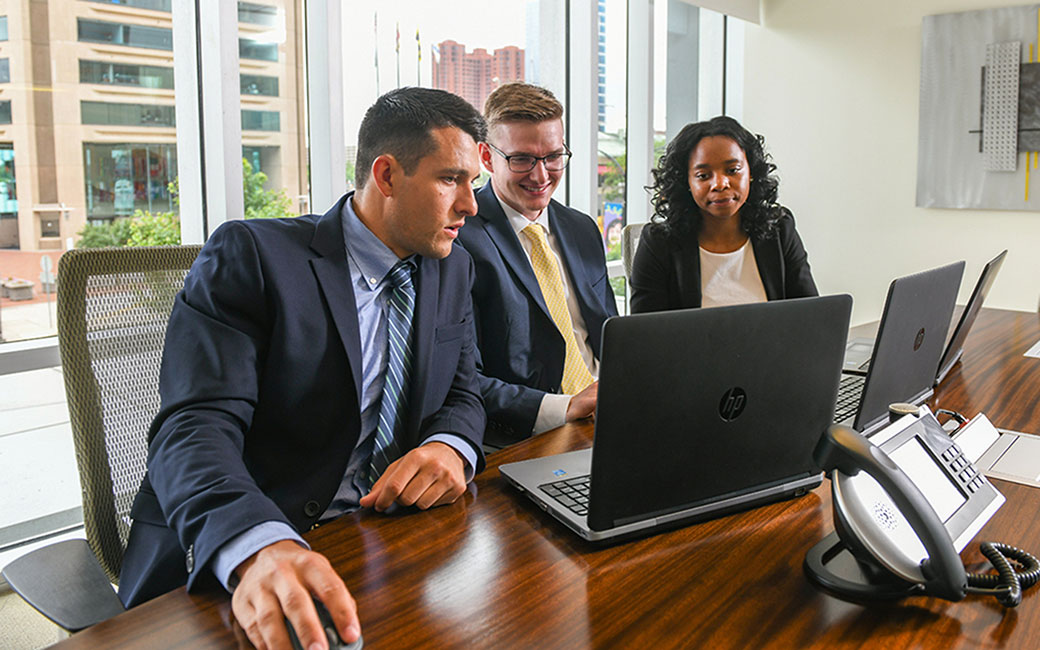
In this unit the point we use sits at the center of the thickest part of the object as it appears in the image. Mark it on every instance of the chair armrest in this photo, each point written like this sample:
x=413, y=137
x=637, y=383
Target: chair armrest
x=65, y=583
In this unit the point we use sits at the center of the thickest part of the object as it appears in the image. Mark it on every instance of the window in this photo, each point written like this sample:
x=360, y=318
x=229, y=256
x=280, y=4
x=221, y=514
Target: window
x=611, y=113
x=459, y=51
x=3, y=28
x=8, y=191
x=157, y=5
x=250, y=49
x=125, y=74
x=274, y=119
x=249, y=12
x=5, y=112
x=260, y=120
x=98, y=31
x=126, y=114
x=122, y=178
x=5, y=70
x=256, y=84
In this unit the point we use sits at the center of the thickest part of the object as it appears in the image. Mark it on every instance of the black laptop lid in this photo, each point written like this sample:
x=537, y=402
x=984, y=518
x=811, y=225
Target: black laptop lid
x=971, y=311
x=699, y=403
x=910, y=339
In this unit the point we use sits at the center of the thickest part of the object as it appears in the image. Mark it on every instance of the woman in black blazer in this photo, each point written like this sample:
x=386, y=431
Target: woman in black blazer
x=715, y=204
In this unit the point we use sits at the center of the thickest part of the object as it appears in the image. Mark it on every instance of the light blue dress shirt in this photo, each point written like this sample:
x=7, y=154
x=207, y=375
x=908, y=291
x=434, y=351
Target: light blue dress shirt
x=370, y=262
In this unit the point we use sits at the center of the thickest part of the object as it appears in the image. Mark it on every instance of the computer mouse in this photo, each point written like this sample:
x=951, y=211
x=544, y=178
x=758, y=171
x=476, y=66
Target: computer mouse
x=335, y=643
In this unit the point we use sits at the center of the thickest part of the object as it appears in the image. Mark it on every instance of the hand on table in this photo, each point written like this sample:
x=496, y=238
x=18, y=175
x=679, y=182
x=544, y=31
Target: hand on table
x=430, y=475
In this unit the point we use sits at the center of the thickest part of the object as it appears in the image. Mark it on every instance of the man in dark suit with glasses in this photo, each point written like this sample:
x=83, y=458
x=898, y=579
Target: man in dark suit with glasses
x=541, y=292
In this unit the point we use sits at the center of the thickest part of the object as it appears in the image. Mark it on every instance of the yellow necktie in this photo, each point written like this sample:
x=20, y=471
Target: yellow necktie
x=576, y=375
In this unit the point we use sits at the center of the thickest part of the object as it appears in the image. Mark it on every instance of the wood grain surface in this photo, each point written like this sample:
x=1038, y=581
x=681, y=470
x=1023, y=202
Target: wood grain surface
x=494, y=571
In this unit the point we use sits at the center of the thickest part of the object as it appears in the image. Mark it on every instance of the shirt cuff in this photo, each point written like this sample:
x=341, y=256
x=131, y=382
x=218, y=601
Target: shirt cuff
x=552, y=412
x=242, y=546
x=460, y=445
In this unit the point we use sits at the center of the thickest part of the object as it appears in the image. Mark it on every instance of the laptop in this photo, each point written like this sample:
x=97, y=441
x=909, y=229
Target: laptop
x=910, y=341
x=859, y=349
x=955, y=348
x=700, y=412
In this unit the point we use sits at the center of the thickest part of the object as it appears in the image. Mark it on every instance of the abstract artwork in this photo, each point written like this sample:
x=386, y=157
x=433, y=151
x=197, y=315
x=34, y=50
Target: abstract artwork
x=980, y=110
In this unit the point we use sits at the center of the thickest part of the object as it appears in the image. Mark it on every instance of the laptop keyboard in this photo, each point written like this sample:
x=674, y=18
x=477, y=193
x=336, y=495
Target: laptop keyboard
x=848, y=397
x=572, y=493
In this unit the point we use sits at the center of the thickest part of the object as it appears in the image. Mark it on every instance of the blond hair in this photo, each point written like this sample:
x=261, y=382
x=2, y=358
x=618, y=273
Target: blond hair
x=521, y=102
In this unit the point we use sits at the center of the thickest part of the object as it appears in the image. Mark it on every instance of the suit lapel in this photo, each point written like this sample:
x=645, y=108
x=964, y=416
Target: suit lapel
x=498, y=228
x=567, y=235
x=770, y=266
x=333, y=276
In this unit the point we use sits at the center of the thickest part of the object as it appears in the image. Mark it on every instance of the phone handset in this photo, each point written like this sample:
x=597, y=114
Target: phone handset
x=898, y=535
x=842, y=450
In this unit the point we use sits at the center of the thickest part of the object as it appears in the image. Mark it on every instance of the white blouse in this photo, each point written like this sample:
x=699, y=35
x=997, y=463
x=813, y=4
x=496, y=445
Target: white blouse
x=730, y=278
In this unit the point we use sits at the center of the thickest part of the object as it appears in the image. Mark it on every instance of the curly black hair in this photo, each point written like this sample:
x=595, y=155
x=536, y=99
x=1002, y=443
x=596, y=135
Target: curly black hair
x=674, y=206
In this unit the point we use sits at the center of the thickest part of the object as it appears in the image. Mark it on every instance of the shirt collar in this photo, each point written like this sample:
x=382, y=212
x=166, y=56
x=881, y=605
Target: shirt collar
x=519, y=221
x=371, y=256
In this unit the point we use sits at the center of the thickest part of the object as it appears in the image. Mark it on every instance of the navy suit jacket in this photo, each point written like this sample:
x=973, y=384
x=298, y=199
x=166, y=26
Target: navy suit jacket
x=261, y=387
x=666, y=269
x=521, y=352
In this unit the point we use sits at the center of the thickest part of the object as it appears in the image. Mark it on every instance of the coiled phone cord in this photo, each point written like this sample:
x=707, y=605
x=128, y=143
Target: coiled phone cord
x=1008, y=584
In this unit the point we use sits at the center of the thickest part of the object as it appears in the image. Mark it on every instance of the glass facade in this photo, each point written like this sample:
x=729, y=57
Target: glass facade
x=255, y=14
x=256, y=84
x=99, y=31
x=259, y=50
x=8, y=193
x=121, y=178
x=157, y=5
x=124, y=74
x=260, y=120
x=127, y=114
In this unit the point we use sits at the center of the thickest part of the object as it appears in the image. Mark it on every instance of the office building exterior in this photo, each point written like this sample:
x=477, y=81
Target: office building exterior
x=87, y=118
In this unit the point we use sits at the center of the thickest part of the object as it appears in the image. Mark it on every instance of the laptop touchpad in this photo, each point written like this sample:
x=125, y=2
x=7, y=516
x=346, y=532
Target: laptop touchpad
x=1021, y=459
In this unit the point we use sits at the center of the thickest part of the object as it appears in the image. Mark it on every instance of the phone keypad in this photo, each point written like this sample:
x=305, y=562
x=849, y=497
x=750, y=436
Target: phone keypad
x=962, y=468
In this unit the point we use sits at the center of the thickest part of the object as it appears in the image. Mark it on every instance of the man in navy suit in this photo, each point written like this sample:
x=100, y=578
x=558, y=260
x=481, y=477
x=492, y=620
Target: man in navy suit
x=541, y=292
x=293, y=391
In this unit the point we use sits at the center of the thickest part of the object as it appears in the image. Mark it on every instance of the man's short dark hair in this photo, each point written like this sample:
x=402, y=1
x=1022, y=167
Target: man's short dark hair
x=400, y=124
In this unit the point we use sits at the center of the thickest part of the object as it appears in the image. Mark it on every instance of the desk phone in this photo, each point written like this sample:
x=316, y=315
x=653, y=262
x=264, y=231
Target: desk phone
x=906, y=502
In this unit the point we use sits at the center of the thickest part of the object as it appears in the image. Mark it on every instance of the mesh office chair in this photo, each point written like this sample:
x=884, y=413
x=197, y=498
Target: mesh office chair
x=113, y=306
x=629, y=244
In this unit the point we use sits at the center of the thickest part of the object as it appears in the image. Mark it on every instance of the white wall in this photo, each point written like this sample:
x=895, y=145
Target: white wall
x=833, y=86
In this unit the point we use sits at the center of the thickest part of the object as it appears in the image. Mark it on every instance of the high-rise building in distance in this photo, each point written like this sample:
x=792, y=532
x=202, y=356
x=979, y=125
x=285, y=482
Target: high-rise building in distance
x=473, y=75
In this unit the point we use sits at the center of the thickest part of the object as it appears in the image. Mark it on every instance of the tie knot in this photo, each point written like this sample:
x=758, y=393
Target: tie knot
x=535, y=232
x=401, y=274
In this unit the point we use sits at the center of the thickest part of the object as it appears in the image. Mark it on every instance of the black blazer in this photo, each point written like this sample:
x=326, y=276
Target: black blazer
x=666, y=270
x=261, y=384
x=521, y=352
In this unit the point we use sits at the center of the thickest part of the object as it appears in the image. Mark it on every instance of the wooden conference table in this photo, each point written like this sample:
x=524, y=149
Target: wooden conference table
x=494, y=571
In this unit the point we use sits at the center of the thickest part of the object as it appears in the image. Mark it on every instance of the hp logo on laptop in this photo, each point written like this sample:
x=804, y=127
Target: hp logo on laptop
x=732, y=404
x=919, y=339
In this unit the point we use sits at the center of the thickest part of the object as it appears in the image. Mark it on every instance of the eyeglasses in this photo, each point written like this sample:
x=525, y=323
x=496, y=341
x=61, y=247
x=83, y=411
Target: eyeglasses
x=523, y=163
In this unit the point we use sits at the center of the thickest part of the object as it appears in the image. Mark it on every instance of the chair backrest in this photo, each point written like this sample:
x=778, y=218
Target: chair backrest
x=629, y=243
x=113, y=306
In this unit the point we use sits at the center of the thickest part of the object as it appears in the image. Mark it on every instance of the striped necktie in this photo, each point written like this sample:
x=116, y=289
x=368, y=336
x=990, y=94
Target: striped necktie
x=400, y=307
x=576, y=375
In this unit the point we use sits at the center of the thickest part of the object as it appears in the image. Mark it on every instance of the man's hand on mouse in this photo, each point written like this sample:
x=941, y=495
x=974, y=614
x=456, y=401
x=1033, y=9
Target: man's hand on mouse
x=278, y=582
x=431, y=475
